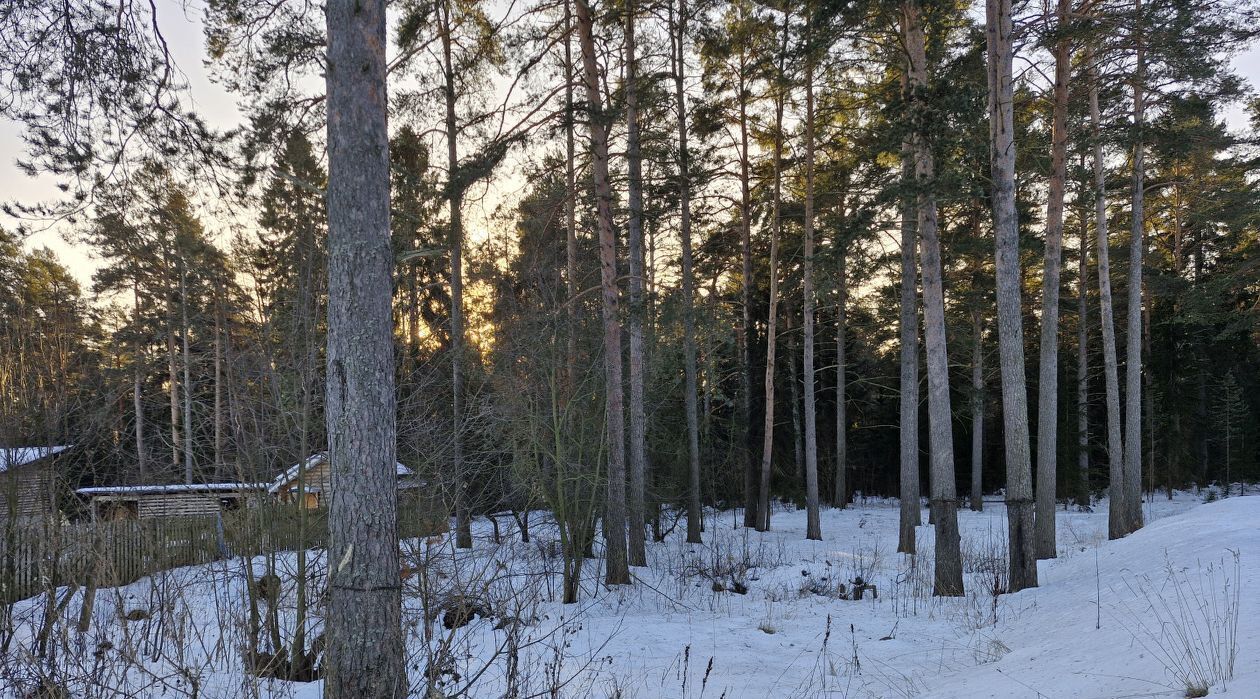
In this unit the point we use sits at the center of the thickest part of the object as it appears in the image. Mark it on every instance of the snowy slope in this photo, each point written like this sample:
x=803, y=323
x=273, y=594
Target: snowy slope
x=674, y=635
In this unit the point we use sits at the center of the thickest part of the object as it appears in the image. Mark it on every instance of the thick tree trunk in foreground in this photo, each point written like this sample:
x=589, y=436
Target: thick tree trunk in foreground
x=364, y=623
x=634, y=230
x=1019, y=502
x=618, y=572
x=1048, y=385
x=688, y=282
x=909, y=423
x=948, y=579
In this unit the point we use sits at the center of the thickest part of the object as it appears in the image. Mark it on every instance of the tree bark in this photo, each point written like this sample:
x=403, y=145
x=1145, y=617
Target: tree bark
x=944, y=497
x=364, y=622
x=183, y=335
x=688, y=281
x=840, y=498
x=977, y=411
x=172, y=376
x=634, y=229
x=455, y=204
x=751, y=482
x=618, y=572
x=137, y=381
x=1019, y=504
x=1048, y=384
x=570, y=206
x=767, y=444
x=813, y=528
x=1133, y=334
x=219, y=433
x=1117, y=525
x=1082, y=372
x=911, y=516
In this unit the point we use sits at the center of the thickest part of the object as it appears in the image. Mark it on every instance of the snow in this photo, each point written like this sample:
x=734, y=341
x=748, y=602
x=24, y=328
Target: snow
x=1092, y=628
x=21, y=456
x=174, y=488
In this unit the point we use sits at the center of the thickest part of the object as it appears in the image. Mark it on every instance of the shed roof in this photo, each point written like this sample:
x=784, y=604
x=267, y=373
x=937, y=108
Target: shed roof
x=167, y=489
x=313, y=460
x=21, y=456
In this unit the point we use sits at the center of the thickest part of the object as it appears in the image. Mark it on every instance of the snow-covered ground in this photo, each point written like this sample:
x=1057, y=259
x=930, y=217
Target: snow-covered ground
x=1106, y=621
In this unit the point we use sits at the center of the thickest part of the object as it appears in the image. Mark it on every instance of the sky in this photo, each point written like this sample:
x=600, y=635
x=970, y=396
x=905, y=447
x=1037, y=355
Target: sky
x=181, y=23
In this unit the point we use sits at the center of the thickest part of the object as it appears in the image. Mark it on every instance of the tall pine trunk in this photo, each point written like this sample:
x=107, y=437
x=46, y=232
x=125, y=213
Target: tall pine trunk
x=183, y=336
x=172, y=376
x=1048, y=384
x=364, y=622
x=455, y=204
x=751, y=481
x=219, y=433
x=840, y=496
x=634, y=230
x=137, y=384
x=1117, y=524
x=688, y=281
x=909, y=398
x=1133, y=333
x=618, y=571
x=1019, y=495
x=767, y=444
x=813, y=528
x=977, y=411
x=944, y=497
x=570, y=208
x=1082, y=371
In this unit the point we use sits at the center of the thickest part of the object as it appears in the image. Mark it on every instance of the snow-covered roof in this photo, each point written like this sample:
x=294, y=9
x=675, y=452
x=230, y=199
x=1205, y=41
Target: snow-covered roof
x=290, y=474
x=21, y=456
x=174, y=488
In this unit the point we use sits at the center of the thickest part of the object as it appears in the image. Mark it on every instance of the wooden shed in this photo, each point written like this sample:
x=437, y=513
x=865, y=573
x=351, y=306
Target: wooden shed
x=27, y=479
x=315, y=479
x=121, y=502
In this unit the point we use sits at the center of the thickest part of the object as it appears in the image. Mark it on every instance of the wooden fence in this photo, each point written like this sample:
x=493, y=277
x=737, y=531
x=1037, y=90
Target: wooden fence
x=37, y=557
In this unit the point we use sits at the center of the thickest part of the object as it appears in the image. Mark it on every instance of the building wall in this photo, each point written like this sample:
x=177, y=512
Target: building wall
x=155, y=505
x=26, y=491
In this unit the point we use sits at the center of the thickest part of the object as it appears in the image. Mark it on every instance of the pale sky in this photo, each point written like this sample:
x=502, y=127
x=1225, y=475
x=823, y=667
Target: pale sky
x=182, y=26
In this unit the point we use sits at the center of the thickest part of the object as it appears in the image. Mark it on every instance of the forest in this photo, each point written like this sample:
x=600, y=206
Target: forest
x=659, y=273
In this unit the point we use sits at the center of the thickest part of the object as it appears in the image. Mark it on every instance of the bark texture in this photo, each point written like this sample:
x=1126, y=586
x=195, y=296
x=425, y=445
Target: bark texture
x=1019, y=494
x=977, y=411
x=1048, y=384
x=634, y=231
x=364, y=624
x=909, y=422
x=1133, y=332
x=688, y=281
x=767, y=445
x=618, y=572
x=947, y=579
x=813, y=529
x=455, y=204
x=1117, y=525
